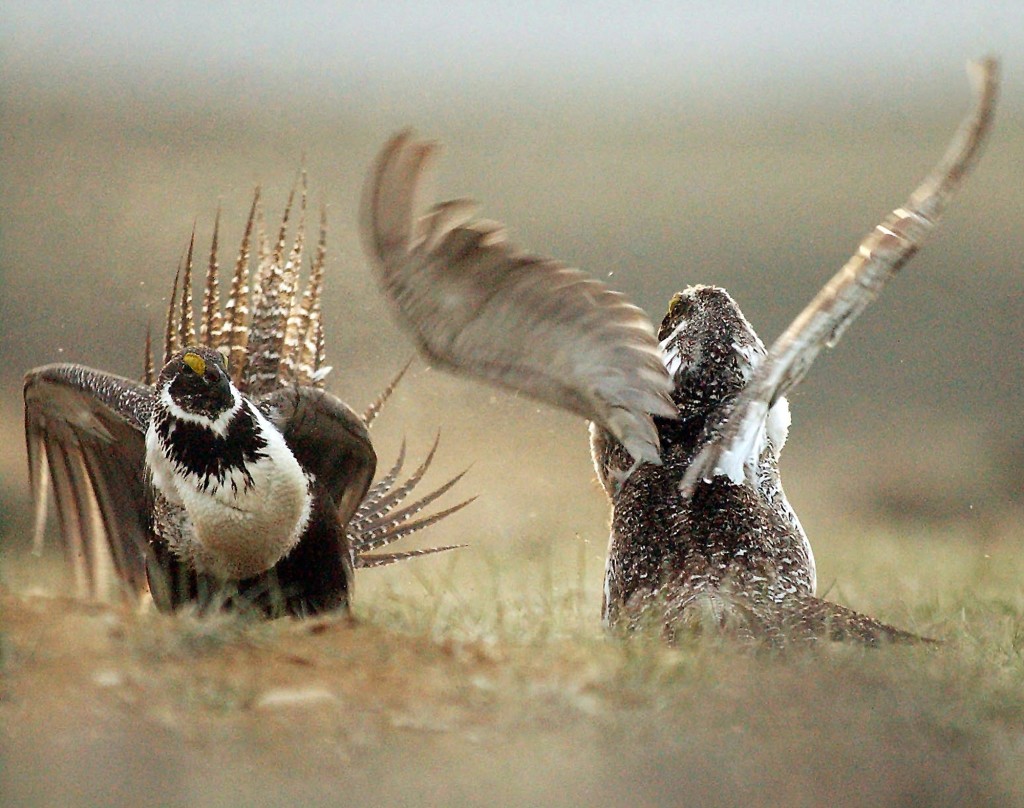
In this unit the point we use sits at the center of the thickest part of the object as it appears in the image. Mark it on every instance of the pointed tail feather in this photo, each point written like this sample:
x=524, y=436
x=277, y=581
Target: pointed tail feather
x=391, y=498
x=210, y=331
x=379, y=490
x=236, y=309
x=396, y=515
x=374, y=409
x=186, y=321
x=171, y=342
x=392, y=532
x=379, y=521
x=309, y=359
x=384, y=559
x=295, y=316
x=148, y=371
x=272, y=305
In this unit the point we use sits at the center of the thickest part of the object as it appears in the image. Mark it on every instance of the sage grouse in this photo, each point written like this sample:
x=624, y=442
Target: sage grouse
x=231, y=478
x=687, y=425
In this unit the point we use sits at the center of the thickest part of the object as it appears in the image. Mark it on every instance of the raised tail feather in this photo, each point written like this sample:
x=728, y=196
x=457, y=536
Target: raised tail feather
x=371, y=413
x=383, y=559
x=379, y=521
x=271, y=335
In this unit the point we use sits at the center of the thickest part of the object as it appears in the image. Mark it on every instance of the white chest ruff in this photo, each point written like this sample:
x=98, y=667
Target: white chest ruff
x=240, y=530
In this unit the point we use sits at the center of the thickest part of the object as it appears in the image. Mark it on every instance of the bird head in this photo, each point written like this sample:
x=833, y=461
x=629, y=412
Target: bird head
x=710, y=349
x=195, y=386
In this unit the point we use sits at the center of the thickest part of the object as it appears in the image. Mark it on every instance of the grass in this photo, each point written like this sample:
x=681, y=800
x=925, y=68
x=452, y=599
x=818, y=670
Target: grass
x=485, y=679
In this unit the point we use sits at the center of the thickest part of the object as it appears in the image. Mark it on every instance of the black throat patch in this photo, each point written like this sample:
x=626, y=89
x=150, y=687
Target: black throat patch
x=195, y=449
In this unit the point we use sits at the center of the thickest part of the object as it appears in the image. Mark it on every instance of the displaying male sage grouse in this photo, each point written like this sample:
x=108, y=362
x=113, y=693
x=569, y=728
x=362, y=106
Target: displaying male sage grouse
x=231, y=479
x=687, y=426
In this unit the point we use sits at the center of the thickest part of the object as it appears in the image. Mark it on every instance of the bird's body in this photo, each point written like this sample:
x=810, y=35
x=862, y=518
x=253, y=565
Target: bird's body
x=735, y=550
x=245, y=486
x=231, y=471
x=743, y=532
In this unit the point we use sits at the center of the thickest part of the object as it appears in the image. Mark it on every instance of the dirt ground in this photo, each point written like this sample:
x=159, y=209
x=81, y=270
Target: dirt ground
x=523, y=702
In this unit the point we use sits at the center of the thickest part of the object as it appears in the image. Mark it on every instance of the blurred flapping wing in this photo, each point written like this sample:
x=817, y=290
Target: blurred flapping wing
x=476, y=305
x=878, y=258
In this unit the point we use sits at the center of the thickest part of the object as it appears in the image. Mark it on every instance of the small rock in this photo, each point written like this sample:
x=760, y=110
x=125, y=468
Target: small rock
x=108, y=678
x=278, y=697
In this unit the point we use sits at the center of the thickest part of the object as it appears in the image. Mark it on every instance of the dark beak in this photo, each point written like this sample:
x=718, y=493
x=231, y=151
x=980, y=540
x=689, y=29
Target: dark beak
x=223, y=385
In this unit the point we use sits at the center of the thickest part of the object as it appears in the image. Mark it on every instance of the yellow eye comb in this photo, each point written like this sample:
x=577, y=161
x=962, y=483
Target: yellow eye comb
x=196, y=362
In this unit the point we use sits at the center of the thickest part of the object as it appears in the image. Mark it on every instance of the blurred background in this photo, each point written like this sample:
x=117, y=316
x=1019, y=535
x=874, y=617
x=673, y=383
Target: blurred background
x=654, y=145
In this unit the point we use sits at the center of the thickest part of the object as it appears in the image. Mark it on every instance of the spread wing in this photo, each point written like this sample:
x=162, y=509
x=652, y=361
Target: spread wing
x=85, y=433
x=878, y=258
x=328, y=439
x=476, y=305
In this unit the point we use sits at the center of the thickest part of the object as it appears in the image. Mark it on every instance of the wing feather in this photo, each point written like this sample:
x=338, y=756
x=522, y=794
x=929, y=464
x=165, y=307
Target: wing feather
x=474, y=304
x=878, y=258
x=85, y=432
x=69, y=517
x=328, y=439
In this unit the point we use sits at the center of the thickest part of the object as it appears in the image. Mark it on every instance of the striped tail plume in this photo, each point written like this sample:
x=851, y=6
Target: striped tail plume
x=271, y=335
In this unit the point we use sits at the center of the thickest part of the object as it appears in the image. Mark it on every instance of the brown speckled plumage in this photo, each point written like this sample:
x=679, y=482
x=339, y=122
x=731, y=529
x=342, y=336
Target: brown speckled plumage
x=734, y=551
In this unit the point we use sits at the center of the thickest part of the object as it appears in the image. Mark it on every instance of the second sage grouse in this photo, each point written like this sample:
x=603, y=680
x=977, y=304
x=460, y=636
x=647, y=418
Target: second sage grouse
x=687, y=425
x=231, y=478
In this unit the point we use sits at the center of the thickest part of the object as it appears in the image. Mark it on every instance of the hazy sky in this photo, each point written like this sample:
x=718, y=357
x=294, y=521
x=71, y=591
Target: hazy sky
x=619, y=48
